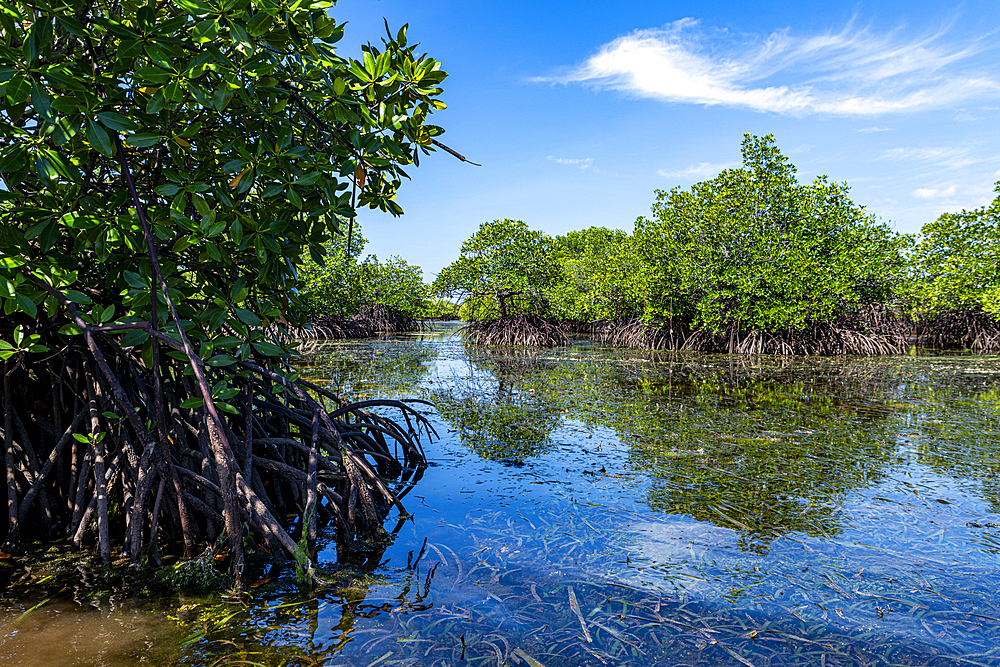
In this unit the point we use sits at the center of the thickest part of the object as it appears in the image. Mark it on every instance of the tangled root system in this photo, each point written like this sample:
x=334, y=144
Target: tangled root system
x=517, y=331
x=109, y=446
x=962, y=329
x=874, y=331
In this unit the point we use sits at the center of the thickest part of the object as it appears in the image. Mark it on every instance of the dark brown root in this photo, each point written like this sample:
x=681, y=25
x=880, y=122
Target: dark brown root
x=633, y=333
x=870, y=331
x=385, y=319
x=127, y=455
x=962, y=329
x=371, y=321
x=333, y=328
x=820, y=339
x=516, y=331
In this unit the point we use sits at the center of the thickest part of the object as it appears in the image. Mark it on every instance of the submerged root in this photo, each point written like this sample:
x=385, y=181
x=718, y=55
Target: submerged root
x=327, y=328
x=372, y=320
x=516, y=331
x=634, y=333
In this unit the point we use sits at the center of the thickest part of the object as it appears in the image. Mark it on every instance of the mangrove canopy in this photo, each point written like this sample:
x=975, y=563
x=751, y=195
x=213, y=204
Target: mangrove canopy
x=164, y=167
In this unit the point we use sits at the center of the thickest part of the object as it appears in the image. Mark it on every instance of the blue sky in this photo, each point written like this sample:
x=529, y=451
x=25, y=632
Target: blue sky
x=579, y=111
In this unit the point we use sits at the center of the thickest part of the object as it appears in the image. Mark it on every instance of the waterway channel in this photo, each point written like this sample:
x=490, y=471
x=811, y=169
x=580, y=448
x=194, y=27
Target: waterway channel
x=592, y=506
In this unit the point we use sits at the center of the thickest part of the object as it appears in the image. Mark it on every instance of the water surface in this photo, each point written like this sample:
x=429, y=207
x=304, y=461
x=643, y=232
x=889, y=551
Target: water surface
x=587, y=506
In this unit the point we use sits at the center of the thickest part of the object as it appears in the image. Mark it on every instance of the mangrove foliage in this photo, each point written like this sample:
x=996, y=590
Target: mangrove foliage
x=165, y=166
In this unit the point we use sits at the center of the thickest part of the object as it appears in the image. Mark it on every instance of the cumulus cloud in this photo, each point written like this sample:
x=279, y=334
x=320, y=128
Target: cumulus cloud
x=583, y=163
x=697, y=171
x=853, y=72
x=934, y=193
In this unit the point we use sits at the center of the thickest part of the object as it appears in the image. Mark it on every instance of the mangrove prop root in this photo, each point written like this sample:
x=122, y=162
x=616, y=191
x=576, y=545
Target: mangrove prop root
x=963, y=329
x=519, y=330
x=145, y=473
x=865, y=331
x=370, y=321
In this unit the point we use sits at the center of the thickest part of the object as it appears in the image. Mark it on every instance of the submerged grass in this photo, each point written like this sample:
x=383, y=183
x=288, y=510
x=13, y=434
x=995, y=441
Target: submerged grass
x=672, y=509
x=490, y=604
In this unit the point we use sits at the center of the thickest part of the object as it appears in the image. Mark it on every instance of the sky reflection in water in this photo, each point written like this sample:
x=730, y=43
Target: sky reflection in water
x=703, y=509
x=591, y=507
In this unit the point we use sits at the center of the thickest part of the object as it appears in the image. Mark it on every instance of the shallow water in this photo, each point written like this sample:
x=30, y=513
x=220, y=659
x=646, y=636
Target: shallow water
x=591, y=506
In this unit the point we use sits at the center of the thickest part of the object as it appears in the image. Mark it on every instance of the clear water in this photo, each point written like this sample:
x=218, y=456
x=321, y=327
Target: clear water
x=587, y=506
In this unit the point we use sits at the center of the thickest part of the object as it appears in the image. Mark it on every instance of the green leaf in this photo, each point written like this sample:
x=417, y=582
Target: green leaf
x=79, y=437
x=40, y=100
x=135, y=338
x=227, y=341
x=77, y=297
x=72, y=26
x=116, y=121
x=205, y=31
x=99, y=139
x=134, y=280
x=268, y=349
x=143, y=140
x=32, y=46
x=64, y=130
x=221, y=360
x=193, y=403
x=225, y=407
x=27, y=305
x=246, y=317
x=45, y=169
x=18, y=89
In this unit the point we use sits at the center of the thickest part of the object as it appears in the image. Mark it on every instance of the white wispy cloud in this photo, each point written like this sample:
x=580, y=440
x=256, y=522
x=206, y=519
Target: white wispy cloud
x=870, y=130
x=582, y=163
x=697, y=171
x=853, y=72
x=966, y=116
x=934, y=193
x=950, y=157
